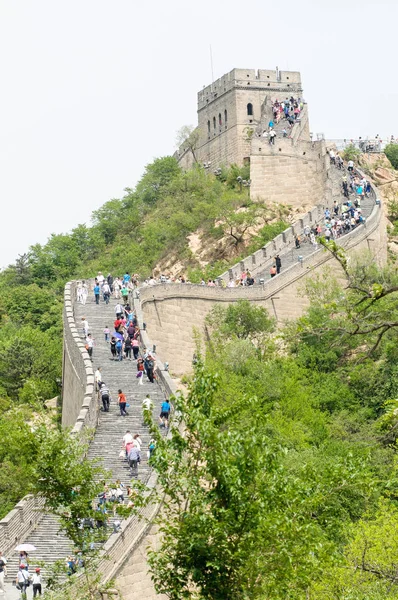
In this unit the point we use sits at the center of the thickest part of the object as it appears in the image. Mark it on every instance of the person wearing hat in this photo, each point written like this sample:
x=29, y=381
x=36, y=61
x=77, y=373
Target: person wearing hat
x=23, y=580
x=36, y=580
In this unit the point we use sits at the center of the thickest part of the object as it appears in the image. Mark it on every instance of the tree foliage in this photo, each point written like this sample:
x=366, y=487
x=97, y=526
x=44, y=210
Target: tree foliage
x=391, y=151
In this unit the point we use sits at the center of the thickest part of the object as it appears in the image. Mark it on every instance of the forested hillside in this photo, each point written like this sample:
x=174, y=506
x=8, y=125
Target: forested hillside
x=147, y=227
x=289, y=467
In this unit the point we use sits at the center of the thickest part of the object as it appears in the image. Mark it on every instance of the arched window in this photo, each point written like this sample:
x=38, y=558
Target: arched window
x=214, y=125
x=250, y=109
x=219, y=119
x=208, y=128
x=225, y=118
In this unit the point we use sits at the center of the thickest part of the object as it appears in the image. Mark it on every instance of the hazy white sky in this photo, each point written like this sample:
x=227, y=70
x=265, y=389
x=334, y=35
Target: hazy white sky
x=93, y=90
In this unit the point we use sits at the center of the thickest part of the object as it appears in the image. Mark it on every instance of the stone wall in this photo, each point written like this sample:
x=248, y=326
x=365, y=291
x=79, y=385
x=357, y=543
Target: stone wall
x=172, y=312
x=281, y=243
x=19, y=522
x=79, y=404
x=287, y=172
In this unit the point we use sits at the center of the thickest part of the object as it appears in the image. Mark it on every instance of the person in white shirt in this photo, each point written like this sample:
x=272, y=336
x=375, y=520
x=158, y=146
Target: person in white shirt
x=23, y=579
x=84, y=293
x=79, y=291
x=100, y=278
x=127, y=438
x=137, y=441
x=85, y=326
x=36, y=581
x=98, y=377
x=119, y=309
x=3, y=572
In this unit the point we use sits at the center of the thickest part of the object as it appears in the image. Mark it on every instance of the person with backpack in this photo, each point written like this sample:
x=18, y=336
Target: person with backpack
x=149, y=367
x=105, y=396
x=23, y=580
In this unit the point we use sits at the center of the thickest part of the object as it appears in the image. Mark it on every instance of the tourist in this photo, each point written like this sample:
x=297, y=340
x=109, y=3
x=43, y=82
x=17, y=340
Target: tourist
x=119, y=349
x=149, y=365
x=116, y=288
x=272, y=271
x=97, y=291
x=136, y=348
x=106, y=333
x=85, y=326
x=127, y=348
x=165, y=413
x=3, y=572
x=98, y=378
x=140, y=371
x=89, y=345
x=125, y=293
x=84, y=293
x=122, y=404
x=36, y=581
x=134, y=457
x=23, y=580
x=278, y=264
x=106, y=292
x=105, y=396
x=113, y=348
x=272, y=136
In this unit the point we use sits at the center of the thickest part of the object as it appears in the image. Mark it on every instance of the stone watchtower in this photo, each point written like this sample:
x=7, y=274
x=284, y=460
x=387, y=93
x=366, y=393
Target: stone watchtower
x=234, y=111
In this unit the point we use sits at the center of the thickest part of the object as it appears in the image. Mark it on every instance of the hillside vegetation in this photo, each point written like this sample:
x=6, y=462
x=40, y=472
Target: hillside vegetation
x=289, y=469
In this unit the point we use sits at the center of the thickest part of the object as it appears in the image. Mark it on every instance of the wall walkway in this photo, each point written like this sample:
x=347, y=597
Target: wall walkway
x=172, y=312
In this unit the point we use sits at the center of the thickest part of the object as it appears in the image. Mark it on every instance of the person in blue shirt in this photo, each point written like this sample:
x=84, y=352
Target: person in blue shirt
x=126, y=277
x=97, y=291
x=165, y=413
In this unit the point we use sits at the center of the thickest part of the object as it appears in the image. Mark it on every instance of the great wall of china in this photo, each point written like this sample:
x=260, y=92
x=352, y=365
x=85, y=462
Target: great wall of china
x=171, y=313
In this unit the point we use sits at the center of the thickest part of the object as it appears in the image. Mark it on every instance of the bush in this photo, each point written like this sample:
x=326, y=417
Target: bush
x=351, y=153
x=391, y=151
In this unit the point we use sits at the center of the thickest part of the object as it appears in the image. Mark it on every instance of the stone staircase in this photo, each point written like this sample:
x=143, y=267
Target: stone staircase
x=291, y=255
x=106, y=445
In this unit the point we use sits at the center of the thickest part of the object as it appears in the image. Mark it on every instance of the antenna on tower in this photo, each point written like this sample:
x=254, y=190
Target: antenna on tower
x=211, y=64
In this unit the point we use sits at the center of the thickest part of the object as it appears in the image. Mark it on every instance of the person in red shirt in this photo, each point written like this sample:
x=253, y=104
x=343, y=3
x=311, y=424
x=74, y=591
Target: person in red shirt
x=118, y=324
x=122, y=404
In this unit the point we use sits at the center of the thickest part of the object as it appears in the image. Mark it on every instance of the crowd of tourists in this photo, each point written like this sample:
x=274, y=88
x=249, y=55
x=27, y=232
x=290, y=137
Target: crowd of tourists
x=24, y=578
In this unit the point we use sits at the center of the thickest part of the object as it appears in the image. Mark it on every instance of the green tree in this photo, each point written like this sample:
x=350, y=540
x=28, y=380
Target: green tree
x=391, y=151
x=351, y=153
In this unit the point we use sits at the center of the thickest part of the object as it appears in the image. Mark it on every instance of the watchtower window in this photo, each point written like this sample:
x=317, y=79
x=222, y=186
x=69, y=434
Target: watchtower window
x=250, y=109
x=214, y=125
x=219, y=119
x=208, y=128
x=225, y=118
